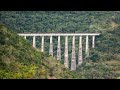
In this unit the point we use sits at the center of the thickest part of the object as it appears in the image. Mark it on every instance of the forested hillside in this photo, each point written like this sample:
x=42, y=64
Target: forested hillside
x=60, y=21
x=19, y=60
x=104, y=60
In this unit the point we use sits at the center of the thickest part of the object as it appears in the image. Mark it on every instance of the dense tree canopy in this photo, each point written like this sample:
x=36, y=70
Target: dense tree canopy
x=105, y=22
x=59, y=21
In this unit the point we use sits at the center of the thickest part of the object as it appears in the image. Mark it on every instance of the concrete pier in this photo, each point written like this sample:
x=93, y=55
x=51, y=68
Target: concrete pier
x=51, y=46
x=42, y=44
x=25, y=37
x=80, y=58
x=87, y=47
x=34, y=43
x=73, y=58
x=59, y=49
x=93, y=41
x=66, y=62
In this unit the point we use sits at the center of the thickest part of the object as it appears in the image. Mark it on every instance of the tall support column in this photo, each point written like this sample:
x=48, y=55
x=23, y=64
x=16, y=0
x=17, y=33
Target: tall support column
x=42, y=44
x=34, y=43
x=93, y=41
x=59, y=49
x=25, y=37
x=66, y=62
x=51, y=46
x=80, y=58
x=73, y=58
x=87, y=47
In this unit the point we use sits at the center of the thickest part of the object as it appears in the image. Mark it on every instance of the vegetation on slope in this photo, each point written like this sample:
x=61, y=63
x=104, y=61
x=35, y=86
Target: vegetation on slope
x=104, y=60
x=104, y=22
x=18, y=59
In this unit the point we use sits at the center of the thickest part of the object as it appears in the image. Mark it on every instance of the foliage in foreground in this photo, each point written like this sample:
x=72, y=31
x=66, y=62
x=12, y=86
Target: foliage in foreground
x=18, y=59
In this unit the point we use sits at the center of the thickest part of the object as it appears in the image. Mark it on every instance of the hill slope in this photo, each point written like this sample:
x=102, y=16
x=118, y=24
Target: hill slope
x=104, y=60
x=18, y=59
x=105, y=22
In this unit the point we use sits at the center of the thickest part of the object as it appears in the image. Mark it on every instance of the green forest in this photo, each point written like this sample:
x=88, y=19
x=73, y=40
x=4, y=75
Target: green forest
x=19, y=60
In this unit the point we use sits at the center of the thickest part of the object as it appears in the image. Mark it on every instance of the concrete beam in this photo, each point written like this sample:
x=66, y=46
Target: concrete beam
x=93, y=41
x=59, y=34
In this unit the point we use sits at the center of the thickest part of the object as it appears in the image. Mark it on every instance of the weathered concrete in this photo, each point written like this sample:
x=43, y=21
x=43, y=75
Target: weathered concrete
x=25, y=37
x=73, y=58
x=87, y=47
x=42, y=44
x=51, y=46
x=93, y=41
x=59, y=49
x=59, y=34
x=73, y=55
x=80, y=58
x=34, y=43
x=66, y=62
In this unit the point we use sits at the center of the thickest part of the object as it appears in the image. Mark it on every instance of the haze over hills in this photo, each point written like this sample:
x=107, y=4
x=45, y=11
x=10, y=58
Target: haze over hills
x=104, y=60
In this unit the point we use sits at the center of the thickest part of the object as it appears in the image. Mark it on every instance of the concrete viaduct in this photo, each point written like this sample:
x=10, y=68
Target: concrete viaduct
x=73, y=58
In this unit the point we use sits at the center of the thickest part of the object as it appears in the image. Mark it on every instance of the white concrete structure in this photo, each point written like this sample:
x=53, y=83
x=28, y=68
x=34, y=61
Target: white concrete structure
x=87, y=47
x=51, y=46
x=73, y=58
x=80, y=58
x=93, y=41
x=59, y=49
x=34, y=43
x=42, y=44
x=59, y=34
x=66, y=62
x=66, y=35
x=25, y=37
